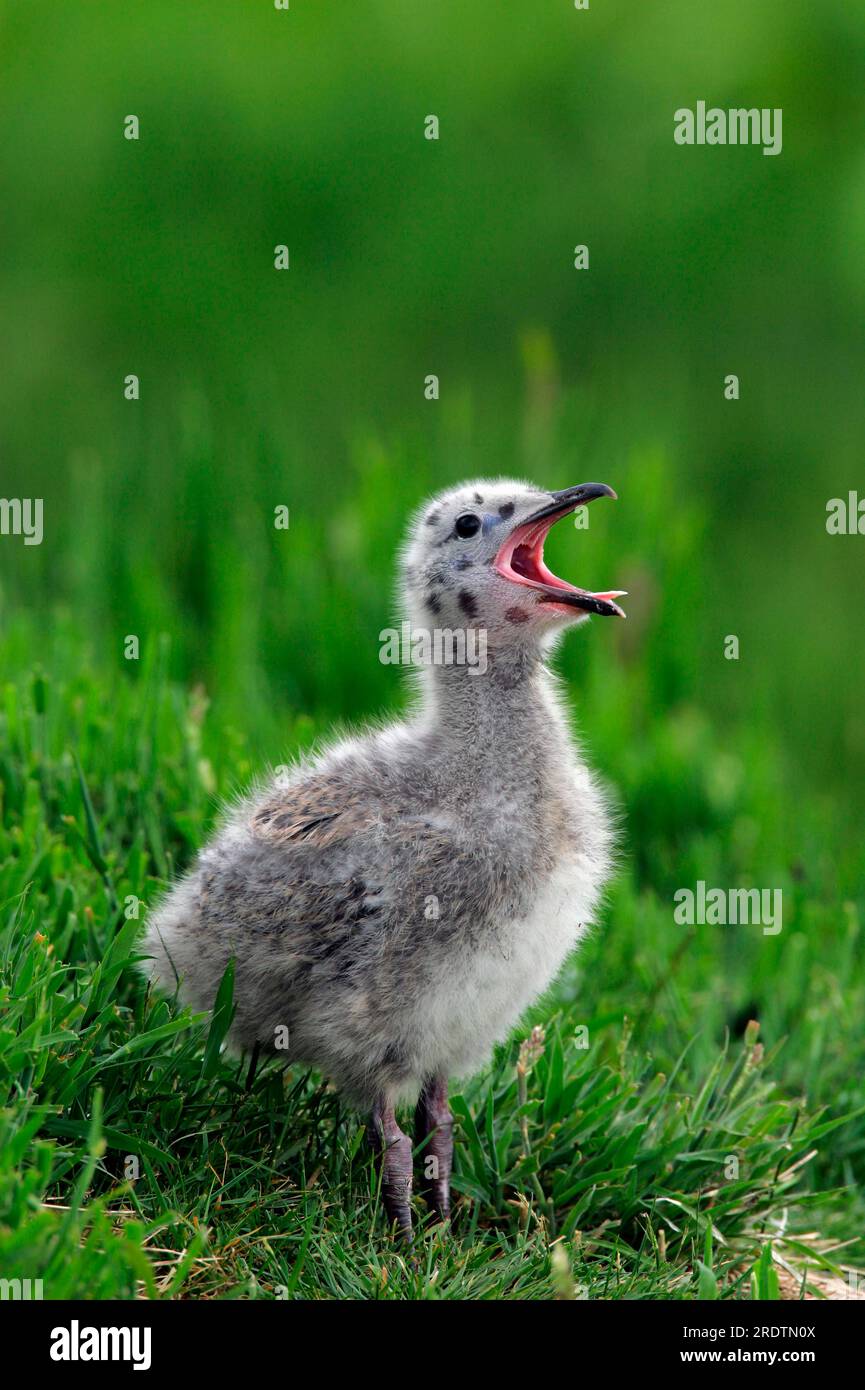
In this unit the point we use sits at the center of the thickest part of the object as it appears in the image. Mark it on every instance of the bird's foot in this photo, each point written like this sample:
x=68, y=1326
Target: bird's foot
x=395, y=1155
x=434, y=1137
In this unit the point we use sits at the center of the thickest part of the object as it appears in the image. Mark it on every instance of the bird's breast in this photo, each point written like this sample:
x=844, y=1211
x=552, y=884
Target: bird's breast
x=474, y=1002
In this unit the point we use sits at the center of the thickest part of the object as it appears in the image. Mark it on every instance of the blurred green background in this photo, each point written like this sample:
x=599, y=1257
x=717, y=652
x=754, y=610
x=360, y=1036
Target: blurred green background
x=455, y=257
x=306, y=388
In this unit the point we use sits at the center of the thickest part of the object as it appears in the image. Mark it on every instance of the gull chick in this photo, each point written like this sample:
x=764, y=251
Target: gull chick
x=398, y=901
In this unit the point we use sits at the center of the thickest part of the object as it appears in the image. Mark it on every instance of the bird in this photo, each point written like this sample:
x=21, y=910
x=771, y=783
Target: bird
x=395, y=901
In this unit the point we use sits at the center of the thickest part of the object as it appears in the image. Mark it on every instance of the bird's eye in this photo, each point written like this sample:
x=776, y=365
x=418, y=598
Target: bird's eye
x=467, y=525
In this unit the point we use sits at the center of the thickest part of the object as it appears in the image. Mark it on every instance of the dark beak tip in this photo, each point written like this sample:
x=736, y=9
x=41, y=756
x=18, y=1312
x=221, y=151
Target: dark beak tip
x=585, y=492
x=601, y=490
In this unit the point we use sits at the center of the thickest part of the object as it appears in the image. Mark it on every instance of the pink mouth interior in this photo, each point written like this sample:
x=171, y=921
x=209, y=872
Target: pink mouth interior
x=521, y=560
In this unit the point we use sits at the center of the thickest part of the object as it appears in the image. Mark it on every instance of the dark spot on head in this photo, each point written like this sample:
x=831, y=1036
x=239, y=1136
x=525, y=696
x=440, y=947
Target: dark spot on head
x=479, y=501
x=516, y=615
x=468, y=603
x=506, y=510
x=464, y=563
x=433, y=603
x=433, y=518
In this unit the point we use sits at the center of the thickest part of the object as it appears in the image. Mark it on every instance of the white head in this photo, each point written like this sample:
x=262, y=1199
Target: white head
x=474, y=557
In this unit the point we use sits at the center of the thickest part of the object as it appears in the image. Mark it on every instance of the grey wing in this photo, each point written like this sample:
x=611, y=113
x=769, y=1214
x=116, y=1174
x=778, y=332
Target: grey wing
x=299, y=875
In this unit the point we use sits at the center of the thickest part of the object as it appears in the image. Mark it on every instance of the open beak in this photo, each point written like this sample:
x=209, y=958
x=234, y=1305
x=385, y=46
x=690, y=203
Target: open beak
x=521, y=557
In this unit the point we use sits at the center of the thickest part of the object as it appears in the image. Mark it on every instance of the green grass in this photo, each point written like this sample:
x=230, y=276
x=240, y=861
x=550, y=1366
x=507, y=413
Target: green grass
x=595, y=1159
x=606, y=1167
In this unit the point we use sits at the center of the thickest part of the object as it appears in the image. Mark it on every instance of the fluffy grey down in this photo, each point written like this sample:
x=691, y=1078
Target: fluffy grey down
x=397, y=901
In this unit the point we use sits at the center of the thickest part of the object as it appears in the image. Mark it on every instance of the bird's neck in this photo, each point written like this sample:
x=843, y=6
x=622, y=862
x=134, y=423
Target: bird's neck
x=478, y=715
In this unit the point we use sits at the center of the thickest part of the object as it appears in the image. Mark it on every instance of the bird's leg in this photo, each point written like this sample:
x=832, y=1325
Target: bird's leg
x=394, y=1150
x=434, y=1129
